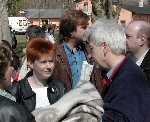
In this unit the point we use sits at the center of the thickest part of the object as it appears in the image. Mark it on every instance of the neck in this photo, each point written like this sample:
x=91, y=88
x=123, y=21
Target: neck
x=136, y=56
x=115, y=60
x=72, y=43
x=36, y=82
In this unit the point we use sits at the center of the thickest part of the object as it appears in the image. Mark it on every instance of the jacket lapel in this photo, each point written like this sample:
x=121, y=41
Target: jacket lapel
x=146, y=61
x=64, y=59
x=26, y=88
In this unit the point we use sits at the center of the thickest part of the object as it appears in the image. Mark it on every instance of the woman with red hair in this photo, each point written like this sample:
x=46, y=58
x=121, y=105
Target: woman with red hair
x=38, y=89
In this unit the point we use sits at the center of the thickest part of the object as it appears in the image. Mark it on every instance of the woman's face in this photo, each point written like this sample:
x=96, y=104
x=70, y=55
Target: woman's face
x=6, y=83
x=43, y=67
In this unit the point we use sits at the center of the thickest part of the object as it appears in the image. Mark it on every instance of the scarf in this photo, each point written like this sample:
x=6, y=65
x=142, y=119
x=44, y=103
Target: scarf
x=82, y=104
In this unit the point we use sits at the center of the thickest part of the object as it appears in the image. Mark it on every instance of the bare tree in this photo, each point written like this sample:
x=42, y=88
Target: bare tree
x=4, y=27
x=104, y=8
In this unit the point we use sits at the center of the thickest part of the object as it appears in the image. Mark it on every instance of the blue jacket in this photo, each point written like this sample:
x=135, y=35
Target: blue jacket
x=127, y=94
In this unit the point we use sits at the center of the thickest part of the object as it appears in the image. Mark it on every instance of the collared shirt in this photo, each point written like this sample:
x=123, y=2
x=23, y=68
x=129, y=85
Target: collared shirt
x=112, y=69
x=139, y=62
x=75, y=61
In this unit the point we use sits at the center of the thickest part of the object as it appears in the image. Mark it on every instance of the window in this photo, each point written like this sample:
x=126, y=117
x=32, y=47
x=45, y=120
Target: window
x=85, y=9
x=20, y=22
x=24, y=23
x=123, y=24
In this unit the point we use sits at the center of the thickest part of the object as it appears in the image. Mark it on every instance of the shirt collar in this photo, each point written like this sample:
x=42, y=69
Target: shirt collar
x=109, y=73
x=139, y=61
x=69, y=51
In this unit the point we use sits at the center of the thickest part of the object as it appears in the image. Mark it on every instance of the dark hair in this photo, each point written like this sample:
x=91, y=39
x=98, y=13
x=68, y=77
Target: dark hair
x=34, y=31
x=49, y=27
x=44, y=27
x=5, y=59
x=39, y=47
x=69, y=21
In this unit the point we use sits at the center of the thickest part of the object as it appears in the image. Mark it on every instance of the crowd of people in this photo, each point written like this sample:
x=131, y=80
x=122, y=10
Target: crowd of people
x=48, y=85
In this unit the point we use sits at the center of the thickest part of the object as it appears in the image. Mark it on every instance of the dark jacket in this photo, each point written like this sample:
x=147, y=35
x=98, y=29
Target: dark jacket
x=127, y=94
x=24, y=94
x=11, y=111
x=145, y=66
x=13, y=39
x=62, y=70
x=15, y=62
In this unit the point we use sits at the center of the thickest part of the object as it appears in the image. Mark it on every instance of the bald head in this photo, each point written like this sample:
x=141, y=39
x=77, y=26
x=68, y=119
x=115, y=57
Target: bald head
x=141, y=28
x=137, y=38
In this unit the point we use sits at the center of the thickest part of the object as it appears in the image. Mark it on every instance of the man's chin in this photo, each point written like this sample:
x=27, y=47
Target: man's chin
x=127, y=51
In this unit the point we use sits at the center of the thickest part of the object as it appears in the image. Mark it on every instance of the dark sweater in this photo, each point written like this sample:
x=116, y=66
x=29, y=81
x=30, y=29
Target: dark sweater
x=127, y=94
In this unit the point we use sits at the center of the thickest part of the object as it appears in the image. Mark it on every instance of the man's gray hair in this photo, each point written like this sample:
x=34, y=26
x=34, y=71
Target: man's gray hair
x=107, y=30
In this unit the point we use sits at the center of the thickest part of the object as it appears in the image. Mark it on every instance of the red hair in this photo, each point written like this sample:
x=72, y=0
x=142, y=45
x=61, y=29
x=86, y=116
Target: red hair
x=39, y=47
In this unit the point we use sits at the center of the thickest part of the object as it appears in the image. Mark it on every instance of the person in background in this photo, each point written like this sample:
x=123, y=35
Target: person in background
x=126, y=93
x=48, y=32
x=33, y=31
x=71, y=51
x=10, y=111
x=38, y=88
x=13, y=39
x=138, y=44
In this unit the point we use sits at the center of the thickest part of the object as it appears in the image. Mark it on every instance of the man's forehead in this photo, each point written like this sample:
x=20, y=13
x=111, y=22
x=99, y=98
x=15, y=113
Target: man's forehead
x=131, y=28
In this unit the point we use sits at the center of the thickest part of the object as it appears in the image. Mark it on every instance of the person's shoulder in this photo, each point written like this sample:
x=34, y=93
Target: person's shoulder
x=16, y=86
x=58, y=83
x=13, y=110
x=10, y=105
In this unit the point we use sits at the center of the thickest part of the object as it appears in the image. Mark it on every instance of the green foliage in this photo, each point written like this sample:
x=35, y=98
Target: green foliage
x=21, y=44
x=13, y=7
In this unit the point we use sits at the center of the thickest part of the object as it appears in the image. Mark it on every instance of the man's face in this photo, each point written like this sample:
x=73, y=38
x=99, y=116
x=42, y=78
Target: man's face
x=79, y=34
x=132, y=42
x=98, y=54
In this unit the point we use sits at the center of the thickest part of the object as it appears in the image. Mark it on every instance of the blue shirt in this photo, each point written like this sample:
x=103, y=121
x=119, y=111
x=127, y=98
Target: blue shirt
x=75, y=61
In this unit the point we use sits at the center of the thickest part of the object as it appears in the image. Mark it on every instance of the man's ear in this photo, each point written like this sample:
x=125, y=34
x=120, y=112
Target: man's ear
x=105, y=47
x=30, y=64
x=143, y=40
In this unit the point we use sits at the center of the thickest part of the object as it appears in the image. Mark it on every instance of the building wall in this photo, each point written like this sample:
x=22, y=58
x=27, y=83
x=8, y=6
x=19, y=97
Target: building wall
x=53, y=21
x=144, y=17
x=125, y=17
